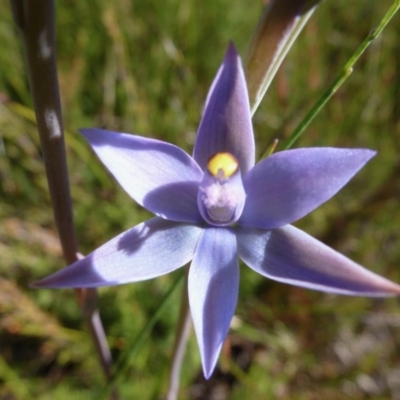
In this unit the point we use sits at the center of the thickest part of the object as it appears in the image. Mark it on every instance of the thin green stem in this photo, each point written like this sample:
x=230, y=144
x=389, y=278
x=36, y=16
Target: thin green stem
x=181, y=338
x=344, y=74
x=13, y=382
x=123, y=364
x=269, y=149
x=341, y=78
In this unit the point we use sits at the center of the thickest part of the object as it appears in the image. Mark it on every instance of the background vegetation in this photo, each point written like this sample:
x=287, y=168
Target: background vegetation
x=145, y=67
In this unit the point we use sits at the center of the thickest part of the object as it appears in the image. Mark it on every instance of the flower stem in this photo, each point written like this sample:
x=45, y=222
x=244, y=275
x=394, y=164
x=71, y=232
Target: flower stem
x=122, y=365
x=181, y=338
x=342, y=76
x=36, y=24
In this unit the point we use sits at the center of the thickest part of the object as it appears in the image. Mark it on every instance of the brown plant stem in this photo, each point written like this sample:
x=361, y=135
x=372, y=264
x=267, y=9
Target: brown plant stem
x=36, y=24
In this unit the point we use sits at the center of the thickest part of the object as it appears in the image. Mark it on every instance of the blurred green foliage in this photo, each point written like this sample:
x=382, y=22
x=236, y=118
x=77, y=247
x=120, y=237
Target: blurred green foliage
x=145, y=67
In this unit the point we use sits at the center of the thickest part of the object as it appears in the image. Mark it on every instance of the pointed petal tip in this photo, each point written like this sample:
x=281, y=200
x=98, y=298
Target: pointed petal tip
x=90, y=134
x=368, y=153
x=36, y=285
x=232, y=56
x=392, y=289
x=50, y=284
x=69, y=278
x=85, y=131
x=291, y=256
x=208, y=372
x=232, y=51
x=45, y=283
x=75, y=276
x=209, y=363
x=98, y=135
x=360, y=156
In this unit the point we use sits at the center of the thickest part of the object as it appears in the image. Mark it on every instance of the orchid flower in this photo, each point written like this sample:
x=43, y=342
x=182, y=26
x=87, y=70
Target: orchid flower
x=216, y=207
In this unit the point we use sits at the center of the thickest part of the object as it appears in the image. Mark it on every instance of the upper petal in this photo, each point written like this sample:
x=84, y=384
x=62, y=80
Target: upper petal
x=291, y=256
x=158, y=175
x=150, y=249
x=288, y=185
x=213, y=291
x=226, y=122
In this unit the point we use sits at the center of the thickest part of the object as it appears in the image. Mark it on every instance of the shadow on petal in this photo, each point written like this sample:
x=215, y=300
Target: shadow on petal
x=213, y=291
x=82, y=274
x=146, y=251
x=130, y=142
x=226, y=122
x=219, y=307
x=176, y=201
x=142, y=165
x=291, y=256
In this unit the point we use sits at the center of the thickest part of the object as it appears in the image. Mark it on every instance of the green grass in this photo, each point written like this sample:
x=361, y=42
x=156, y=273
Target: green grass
x=145, y=67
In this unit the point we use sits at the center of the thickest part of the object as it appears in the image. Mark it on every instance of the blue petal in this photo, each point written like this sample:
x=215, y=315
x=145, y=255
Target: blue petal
x=226, y=123
x=288, y=185
x=150, y=249
x=213, y=291
x=291, y=256
x=159, y=176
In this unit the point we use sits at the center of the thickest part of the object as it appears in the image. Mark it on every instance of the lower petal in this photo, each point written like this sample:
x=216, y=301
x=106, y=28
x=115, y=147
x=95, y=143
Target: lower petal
x=213, y=291
x=291, y=256
x=148, y=250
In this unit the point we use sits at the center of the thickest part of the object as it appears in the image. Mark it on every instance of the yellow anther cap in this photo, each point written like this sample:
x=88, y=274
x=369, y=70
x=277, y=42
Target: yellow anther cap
x=224, y=162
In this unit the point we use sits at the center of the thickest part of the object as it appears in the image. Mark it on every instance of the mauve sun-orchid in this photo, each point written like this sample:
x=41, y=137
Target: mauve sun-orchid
x=216, y=207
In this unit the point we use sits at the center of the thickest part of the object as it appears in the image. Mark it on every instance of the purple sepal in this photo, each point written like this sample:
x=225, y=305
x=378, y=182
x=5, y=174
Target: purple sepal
x=226, y=122
x=287, y=185
x=291, y=256
x=159, y=176
x=148, y=250
x=213, y=291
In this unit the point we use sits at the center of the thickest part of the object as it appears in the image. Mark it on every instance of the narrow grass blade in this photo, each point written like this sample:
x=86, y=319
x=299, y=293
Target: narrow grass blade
x=274, y=35
x=13, y=382
x=341, y=77
x=123, y=364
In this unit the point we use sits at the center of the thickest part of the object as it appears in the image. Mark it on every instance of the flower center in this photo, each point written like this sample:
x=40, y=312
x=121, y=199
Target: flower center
x=221, y=194
x=224, y=164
